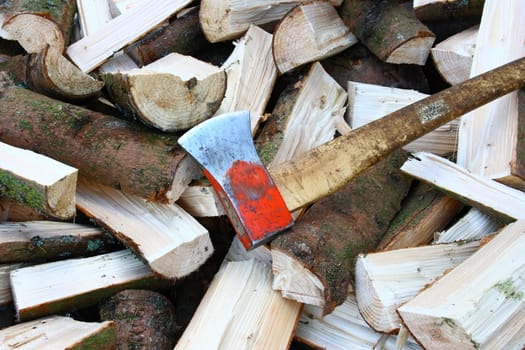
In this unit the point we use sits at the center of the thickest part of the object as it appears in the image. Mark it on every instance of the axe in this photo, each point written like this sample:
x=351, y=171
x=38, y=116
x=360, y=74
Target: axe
x=258, y=202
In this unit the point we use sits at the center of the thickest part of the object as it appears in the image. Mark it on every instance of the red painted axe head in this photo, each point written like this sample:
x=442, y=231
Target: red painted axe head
x=223, y=146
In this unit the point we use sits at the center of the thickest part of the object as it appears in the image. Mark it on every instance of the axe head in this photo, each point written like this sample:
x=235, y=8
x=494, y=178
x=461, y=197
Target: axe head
x=223, y=146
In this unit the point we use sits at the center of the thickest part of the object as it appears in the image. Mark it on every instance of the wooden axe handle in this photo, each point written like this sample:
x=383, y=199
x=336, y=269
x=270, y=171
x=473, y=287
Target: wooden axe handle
x=330, y=166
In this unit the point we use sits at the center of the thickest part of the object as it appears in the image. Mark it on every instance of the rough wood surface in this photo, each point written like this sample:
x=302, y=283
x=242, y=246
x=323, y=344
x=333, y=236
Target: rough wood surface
x=478, y=305
x=386, y=280
x=313, y=262
x=105, y=148
x=91, y=51
x=389, y=30
x=68, y=285
x=305, y=116
x=5, y=285
x=42, y=183
x=51, y=240
x=434, y=10
x=59, y=332
x=170, y=240
x=173, y=93
x=308, y=33
x=488, y=136
x=330, y=166
x=240, y=310
x=144, y=319
x=453, y=56
x=251, y=74
x=11, y=210
x=473, y=225
x=502, y=202
x=424, y=213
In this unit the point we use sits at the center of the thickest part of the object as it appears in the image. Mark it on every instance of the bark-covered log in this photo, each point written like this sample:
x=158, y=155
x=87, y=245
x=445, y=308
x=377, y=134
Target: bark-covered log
x=358, y=63
x=389, y=30
x=330, y=235
x=144, y=319
x=50, y=240
x=181, y=34
x=435, y=10
x=109, y=150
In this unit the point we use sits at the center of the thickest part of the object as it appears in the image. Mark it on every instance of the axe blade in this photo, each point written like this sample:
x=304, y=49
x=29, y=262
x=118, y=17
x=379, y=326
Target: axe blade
x=224, y=148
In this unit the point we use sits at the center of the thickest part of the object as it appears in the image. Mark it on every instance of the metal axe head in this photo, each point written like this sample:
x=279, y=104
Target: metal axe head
x=223, y=146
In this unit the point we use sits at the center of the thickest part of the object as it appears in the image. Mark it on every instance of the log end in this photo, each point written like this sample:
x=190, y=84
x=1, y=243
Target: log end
x=414, y=51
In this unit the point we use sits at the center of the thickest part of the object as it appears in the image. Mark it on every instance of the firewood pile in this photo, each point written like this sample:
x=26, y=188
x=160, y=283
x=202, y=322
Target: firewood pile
x=111, y=236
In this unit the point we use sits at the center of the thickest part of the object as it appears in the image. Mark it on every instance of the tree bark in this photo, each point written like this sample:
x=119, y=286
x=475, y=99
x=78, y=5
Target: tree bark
x=336, y=229
x=106, y=149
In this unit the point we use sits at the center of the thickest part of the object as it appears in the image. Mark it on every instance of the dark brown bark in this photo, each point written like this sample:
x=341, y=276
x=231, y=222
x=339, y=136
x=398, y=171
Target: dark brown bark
x=106, y=149
x=359, y=64
x=182, y=35
x=448, y=10
x=16, y=67
x=519, y=165
x=336, y=229
x=383, y=26
x=144, y=319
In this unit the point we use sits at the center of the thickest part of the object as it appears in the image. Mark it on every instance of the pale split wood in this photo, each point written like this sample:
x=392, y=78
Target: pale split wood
x=59, y=332
x=5, y=285
x=308, y=33
x=199, y=200
x=386, y=280
x=453, y=57
x=251, y=74
x=173, y=93
x=489, y=196
x=34, y=32
x=480, y=304
x=91, y=51
x=473, y=225
x=170, y=240
x=71, y=284
x=44, y=184
x=312, y=121
x=345, y=329
x=369, y=102
x=240, y=310
x=488, y=135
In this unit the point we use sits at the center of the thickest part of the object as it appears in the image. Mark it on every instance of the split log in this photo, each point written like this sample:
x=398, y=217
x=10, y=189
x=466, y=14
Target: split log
x=473, y=225
x=425, y=212
x=389, y=30
x=386, y=280
x=359, y=64
x=223, y=20
x=502, y=202
x=59, y=332
x=479, y=304
x=369, y=102
x=304, y=117
x=173, y=93
x=51, y=240
x=68, y=285
x=170, y=240
x=435, y=10
x=182, y=34
x=5, y=285
x=61, y=12
x=199, y=200
x=489, y=141
x=48, y=71
x=144, y=319
x=107, y=149
x=313, y=262
x=246, y=312
x=308, y=33
x=251, y=74
x=91, y=51
x=344, y=329
x=453, y=56
x=44, y=184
